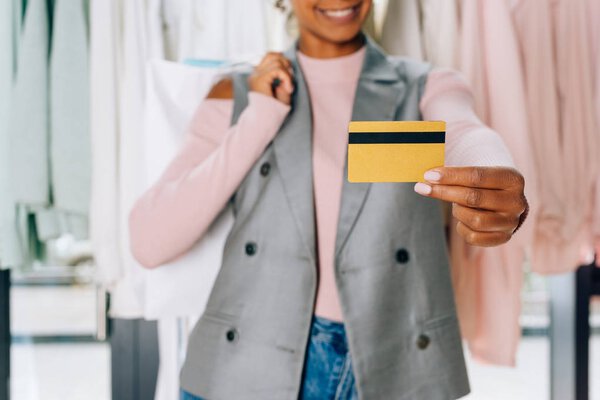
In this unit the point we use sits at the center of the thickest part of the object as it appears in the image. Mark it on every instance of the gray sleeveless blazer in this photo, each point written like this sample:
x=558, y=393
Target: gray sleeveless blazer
x=391, y=268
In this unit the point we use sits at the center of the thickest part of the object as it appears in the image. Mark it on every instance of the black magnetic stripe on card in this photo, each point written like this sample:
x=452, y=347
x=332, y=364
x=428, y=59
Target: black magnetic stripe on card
x=396, y=137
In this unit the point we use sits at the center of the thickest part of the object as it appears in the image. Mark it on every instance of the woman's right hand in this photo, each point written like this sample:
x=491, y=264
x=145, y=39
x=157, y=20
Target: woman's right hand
x=273, y=77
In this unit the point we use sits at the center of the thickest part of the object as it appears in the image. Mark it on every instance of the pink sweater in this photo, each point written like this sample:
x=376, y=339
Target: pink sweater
x=166, y=221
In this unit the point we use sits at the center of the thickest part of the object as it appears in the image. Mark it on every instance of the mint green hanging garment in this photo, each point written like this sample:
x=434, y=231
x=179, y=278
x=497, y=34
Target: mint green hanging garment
x=70, y=152
x=10, y=26
x=29, y=110
x=28, y=128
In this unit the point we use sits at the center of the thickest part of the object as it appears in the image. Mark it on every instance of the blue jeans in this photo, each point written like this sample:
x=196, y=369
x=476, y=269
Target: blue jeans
x=327, y=371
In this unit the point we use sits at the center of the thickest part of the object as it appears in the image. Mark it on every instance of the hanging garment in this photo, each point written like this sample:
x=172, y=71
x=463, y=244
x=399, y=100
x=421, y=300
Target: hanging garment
x=281, y=25
x=440, y=32
x=10, y=14
x=580, y=141
x=594, y=17
x=28, y=132
x=206, y=29
x=134, y=52
x=557, y=58
x=484, y=278
x=29, y=113
x=401, y=30
x=173, y=92
x=69, y=149
x=422, y=29
x=173, y=336
x=48, y=131
x=534, y=27
x=118, y=56
x=104, y=102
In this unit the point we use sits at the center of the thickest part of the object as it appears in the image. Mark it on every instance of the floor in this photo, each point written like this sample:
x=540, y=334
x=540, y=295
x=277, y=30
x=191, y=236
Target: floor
x=60, y=372
x=81, y=371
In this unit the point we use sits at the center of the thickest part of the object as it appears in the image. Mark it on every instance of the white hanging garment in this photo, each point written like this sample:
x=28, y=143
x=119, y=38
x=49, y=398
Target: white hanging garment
x=280, y=24
x=173, y=92
x=401, y=30
x=169, y=344
x=176, y=293
x=216, y=30
x=132, y=67
x=105, y=38
x=173, y=336
x=120, y=49
x=422, y=29
x=246, y=29
x=440, y=32
x=156, y=29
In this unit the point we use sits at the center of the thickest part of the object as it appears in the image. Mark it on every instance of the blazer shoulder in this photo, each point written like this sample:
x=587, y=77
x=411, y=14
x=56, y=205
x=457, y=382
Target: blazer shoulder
x=411, y=68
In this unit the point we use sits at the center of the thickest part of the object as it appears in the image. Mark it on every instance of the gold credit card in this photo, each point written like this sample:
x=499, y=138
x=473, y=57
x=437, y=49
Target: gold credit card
x=394, y=151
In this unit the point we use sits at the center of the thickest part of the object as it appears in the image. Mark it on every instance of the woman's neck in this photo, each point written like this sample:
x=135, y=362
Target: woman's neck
x=316, y=47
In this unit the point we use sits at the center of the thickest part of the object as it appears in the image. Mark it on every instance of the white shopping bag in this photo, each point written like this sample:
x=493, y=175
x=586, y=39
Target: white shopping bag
x=173, y=92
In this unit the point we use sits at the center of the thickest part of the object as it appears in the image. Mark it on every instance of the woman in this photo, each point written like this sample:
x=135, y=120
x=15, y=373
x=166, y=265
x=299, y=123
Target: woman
x=328, y=289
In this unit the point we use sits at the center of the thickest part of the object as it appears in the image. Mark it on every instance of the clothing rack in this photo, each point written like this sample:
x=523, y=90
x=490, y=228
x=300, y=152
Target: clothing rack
x=134, y=358
x=588, y=285
x=570, y=296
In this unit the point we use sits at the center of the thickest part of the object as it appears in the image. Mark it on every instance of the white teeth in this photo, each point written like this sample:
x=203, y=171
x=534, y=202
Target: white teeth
x=338, y=13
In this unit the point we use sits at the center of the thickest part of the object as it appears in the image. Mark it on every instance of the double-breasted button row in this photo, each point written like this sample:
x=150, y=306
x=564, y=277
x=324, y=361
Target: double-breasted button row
x=265, y=168
x=251, y=248
x=231, y=335
x=402, y=256
x=423, y=341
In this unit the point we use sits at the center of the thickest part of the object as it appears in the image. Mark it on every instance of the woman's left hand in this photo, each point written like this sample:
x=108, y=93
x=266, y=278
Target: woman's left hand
x=488, y=202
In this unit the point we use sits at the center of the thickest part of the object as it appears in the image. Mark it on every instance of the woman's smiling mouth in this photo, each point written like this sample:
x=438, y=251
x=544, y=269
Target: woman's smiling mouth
x=341, y=15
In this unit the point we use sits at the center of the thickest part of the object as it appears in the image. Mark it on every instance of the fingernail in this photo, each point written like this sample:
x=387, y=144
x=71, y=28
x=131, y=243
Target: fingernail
x=432, y=176
x=422, y=188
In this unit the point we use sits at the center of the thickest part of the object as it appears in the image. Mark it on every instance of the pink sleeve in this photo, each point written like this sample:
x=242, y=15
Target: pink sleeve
x=176, y=211
x=469, y=142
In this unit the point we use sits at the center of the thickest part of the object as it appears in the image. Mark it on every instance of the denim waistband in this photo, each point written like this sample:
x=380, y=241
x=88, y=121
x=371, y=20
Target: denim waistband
x=331, y=332
x=328, y=325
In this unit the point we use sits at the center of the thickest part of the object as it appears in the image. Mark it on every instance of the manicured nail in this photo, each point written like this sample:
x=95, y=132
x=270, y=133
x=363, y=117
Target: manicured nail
x=422, y=188
x=432, y=176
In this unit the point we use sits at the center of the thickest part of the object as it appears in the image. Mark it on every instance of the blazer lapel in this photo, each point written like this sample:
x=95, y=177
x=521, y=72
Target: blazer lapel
x=377, y=97
x=293, y=151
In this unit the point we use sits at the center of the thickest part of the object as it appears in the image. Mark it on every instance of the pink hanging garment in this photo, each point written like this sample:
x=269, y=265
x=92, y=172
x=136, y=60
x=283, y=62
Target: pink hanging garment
x=555, y=44
x=579, y=138
x=534, y=27
x=594, y=32
x=488, y=280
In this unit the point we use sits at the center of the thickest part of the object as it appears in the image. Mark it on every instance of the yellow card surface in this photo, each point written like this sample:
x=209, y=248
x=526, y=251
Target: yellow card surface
x=394, y=151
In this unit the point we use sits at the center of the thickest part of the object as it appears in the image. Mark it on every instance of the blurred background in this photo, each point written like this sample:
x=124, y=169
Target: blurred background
x=95, y=97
